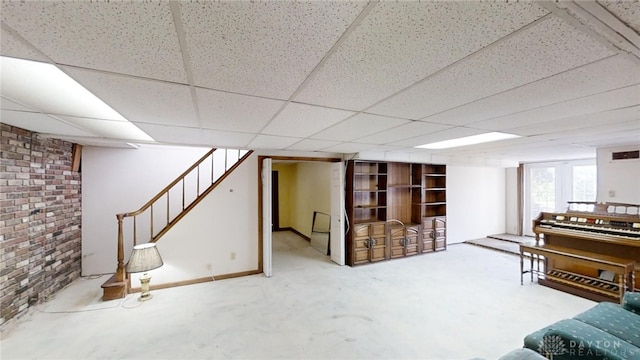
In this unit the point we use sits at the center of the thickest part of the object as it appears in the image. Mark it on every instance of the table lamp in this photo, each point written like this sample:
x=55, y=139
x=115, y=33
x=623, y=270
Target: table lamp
x=144, y=257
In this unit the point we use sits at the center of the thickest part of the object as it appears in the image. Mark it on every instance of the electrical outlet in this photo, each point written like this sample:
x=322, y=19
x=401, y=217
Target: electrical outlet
x=612, y=193
x=233, y=256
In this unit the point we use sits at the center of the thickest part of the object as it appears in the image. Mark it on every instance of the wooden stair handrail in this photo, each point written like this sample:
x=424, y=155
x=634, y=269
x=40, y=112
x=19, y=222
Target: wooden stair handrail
x=168, y=187
x=200, y=197
x=120, y=276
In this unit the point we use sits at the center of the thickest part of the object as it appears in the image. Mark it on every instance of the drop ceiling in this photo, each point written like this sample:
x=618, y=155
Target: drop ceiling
x=373, y=78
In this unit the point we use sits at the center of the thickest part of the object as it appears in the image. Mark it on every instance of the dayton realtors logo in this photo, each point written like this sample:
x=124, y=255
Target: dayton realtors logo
x=553, y=345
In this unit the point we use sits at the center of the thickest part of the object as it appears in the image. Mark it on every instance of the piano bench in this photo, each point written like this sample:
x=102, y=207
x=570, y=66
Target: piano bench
x=595, y=288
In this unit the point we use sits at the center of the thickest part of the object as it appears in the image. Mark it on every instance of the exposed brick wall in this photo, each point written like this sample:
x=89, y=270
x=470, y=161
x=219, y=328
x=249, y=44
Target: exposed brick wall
x=40, y=236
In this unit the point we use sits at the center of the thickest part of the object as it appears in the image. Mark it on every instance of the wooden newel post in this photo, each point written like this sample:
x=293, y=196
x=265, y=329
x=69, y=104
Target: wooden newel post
x=120, y=273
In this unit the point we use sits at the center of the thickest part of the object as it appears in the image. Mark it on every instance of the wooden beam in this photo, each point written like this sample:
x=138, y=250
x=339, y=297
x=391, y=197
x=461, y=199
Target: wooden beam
x=75, y=157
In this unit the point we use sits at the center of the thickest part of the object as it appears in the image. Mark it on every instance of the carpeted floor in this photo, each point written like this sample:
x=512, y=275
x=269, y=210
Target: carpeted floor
x=463, y=303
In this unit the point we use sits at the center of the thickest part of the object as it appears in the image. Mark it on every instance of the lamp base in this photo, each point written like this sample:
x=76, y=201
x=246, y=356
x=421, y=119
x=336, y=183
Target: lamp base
x=144, y=288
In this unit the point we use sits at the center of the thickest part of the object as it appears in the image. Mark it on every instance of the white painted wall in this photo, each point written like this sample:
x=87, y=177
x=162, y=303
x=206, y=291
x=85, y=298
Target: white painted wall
x=219, y=236
x=122, y=180
x=475, y=202
x=620, y=176
x=511, y=201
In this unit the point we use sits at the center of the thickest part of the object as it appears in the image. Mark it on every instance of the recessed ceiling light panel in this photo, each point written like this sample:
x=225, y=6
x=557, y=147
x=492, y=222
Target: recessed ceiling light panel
x=48, y=90
x=468, y=140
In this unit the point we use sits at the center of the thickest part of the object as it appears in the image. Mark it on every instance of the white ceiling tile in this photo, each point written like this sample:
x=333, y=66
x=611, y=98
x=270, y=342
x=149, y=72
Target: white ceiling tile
x=99, y=142
x=359, y=126
x=140, y=100
x=610, y=100
x=41, y=123
x=246, y=58
x=228, y=139
x=604, y=75
x=261, y=48
x=194, y=136
x=136, y=38
x=615, y=139
x=45, y=88
x=578, y=122
x=14, y=47
x=446, y=134
x=108, y=128
x=349, y=148
x=312, y=145
x=225, y=111
x=272, y=142
x=399, y=43
x=522, y=149
x=12, y=105
x=401, y=132
x=495, y=146
x=547, y=48
x=172, y=134
x=627, y=11
x=302, y=120
x=601, y=131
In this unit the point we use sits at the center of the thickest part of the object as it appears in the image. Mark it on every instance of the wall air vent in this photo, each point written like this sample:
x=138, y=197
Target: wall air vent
x=625, y=155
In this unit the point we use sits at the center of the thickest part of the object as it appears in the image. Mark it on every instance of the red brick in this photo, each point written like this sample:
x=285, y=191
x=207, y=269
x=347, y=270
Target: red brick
x=31, y=216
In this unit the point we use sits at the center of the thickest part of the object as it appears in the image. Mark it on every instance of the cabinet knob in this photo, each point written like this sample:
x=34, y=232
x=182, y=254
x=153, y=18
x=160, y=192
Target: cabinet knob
x=370, y=242
x=405, y=242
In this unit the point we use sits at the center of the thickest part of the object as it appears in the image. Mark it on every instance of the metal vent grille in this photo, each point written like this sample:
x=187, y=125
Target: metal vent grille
x=624, y=155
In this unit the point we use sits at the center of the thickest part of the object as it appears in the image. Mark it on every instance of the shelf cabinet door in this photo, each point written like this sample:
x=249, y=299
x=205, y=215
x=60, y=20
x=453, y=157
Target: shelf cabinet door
x=404, y=240
x=369, y=243
x=397, y=239
x=435, y=234
x=379, y=247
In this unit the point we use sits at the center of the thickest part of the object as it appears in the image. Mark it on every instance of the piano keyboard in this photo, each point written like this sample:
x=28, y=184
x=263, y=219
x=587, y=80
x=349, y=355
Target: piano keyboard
x=628, y=232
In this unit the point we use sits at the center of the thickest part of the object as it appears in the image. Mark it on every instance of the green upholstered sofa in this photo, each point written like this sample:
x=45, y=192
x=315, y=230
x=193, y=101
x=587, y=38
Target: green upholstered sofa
x=606, y=331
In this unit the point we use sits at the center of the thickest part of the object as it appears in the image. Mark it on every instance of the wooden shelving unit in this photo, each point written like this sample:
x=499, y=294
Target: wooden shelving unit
x=369, y=189
x=405, y=202
x=429, y=203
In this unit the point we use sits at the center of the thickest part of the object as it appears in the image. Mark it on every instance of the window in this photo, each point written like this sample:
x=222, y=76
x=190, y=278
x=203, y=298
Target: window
x=549, y=186
x=584, y=183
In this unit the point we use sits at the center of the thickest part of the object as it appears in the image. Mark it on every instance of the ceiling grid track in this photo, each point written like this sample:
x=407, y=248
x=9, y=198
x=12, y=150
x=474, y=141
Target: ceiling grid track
x=371, y=77
x=363, y=14
x=476, y=53
x=425, y=119
x=184, y=50
x=623, y=46
x=26, y=43
x=364, y=111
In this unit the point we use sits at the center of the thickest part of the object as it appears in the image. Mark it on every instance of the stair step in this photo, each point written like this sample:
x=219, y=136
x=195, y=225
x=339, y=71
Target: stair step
x=113, y=289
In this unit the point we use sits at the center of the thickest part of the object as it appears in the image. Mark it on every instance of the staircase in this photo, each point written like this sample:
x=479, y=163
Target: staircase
x=163, y=211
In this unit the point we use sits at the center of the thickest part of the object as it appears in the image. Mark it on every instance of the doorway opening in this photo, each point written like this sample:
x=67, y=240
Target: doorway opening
x=304, y=187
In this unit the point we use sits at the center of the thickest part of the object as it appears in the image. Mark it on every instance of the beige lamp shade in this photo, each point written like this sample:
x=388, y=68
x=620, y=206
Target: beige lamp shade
x=144, y=257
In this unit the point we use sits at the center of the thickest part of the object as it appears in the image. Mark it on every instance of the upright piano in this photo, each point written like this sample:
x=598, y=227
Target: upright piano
x=591, y=250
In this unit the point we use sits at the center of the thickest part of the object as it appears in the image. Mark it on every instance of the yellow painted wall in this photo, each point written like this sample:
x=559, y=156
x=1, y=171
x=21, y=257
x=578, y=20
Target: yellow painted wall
x=304, y=187
x=312, y=193
x=286, y=180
